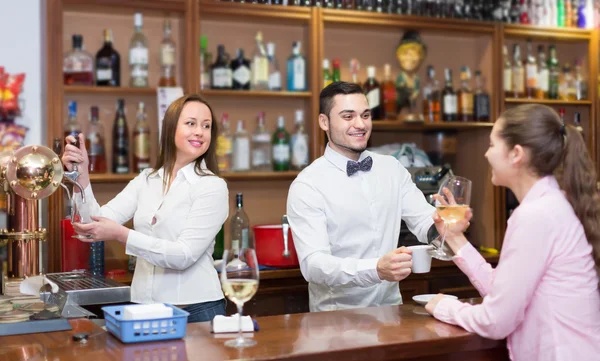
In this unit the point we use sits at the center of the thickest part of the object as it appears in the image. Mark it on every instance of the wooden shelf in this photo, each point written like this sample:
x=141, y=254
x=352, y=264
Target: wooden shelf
x=421, y=23
x=547, y=101
x=547, y=33
x=135, y=5
x=216, y=10
x=255, y=93
x=83, y=89
x=384, y=125
x=241, y=176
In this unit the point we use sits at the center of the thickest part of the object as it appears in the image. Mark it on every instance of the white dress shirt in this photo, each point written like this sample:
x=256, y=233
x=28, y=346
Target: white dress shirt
x=173, y=236
x=342, y=225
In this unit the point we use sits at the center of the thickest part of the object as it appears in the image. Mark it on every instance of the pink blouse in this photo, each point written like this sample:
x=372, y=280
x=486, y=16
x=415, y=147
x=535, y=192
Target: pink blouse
x=543, y=295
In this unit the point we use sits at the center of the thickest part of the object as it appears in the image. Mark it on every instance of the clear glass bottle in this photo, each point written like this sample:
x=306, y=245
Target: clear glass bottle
x=543, y=74
x=260, y=65
x=141, y=141
x=240, y=226
x=507, y=78
x=274, y=73
x=168, y=58
x=224, y=149
x=431, y=98
x=531, y=72
x=205, y=63
x=138, y=55
x=299, y=143
x=465, y=96
x=296, y=69
x=94, y=143
x=481, y=100
x=518, y=73
x=281, y=147
x=449, y=100
x=554, y=71
x=581, y=88
x=241, y=149
x=78, y=65
x=261, y=146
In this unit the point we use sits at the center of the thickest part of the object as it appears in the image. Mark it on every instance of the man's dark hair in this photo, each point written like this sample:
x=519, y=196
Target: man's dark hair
x=333, y=89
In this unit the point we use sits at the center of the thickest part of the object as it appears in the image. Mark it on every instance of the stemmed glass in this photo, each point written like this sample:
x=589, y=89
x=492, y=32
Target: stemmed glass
x=452, y=204
x=239, y=279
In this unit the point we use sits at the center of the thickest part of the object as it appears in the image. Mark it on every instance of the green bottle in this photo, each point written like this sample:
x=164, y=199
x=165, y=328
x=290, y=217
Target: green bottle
x=219, y=244
x=554, y=71
x=281, y=147
x=336, y=70
x=327, y=77
x=560, y=13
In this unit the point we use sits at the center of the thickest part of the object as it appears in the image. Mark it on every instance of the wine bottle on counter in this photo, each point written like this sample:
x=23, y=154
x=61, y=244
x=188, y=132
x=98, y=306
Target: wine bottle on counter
x=120, y=156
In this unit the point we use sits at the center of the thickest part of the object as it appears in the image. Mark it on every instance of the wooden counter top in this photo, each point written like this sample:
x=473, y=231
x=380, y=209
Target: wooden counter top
x=403, y=332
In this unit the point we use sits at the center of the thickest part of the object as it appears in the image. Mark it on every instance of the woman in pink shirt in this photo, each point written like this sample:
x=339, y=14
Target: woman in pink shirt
x=543, y=295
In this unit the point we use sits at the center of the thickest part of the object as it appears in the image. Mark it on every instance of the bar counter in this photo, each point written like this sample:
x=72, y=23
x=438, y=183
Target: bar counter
x=404, y=332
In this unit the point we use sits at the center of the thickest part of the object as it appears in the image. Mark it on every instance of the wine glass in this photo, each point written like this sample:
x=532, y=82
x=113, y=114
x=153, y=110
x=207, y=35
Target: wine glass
x=452, y=204
x=77, y=217
x=239, y=279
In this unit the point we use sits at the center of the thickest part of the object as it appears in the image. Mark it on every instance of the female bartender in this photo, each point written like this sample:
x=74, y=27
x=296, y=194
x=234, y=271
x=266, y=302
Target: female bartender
x=177, y=209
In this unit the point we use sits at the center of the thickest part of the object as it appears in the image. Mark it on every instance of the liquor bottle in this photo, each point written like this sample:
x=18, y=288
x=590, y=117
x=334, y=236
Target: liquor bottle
x=481, y=100
x=281, y=147
x=389, y=95
x=465, y=96
x=336, y=71
x=449, y=101
x=354, y=68
x=531, y=72
x=299, y=143
x=543, y=74
x=552, y=13
x=507, y=78
x=78, y=65
x=205, y=63
x=554, y=71
x=431, y=98
x=581, y=88
x=240, y=226
x=274, y=73
x=261, y=146
x=524, y=16
x=219, y=244
x=577, y=123
x=260, y=65
x=567, y=89
x=138, y=55
x=167, y=58
x=72, y=127
x=568, y=14
x=240, y=70
x=372, y=90
x=518, y=73
x=241, y=149
x=582, y=16
x=296, y=69
x=120, y=139
x=141, y=141
x=560, y=13
x=224, y=149
x=108, y=63
x=94, y=144
x=221, y=77
x=327, y=77
x=515, y=12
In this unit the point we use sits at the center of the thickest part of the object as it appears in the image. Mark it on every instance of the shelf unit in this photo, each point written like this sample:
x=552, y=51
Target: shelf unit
x=325, y=33
x=547, y=101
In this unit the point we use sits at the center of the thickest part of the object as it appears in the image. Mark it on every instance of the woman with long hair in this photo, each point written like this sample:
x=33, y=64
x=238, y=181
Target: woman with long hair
x=178, y=207
x=543, y=295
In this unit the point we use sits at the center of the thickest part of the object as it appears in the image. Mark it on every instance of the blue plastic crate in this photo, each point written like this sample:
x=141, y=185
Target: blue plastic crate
x=129, y=331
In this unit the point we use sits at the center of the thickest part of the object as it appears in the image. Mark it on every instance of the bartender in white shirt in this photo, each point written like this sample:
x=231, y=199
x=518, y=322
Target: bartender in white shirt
x=177, y=209
x=345, y=211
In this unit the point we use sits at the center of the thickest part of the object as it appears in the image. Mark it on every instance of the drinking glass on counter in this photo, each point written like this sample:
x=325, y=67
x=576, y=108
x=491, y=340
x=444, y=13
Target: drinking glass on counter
x=239, y=279
x=452, y=204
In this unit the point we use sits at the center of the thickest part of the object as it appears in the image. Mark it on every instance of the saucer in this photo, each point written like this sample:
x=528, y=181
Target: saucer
x=423, y=299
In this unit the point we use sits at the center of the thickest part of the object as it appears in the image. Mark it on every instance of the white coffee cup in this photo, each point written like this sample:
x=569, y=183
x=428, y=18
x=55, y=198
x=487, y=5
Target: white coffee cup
x=421, y=260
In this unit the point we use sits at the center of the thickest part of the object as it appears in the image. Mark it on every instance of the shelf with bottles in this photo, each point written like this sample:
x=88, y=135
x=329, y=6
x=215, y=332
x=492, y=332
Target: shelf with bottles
x=230, y=176
x=255, y=93
x=393, y=125
x=547, y=33
x=112, y=50
x=548, y=101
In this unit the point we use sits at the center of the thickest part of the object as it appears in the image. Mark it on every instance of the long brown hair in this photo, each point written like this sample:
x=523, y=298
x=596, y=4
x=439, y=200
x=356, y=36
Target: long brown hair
x=168, y=151
x=560, y=150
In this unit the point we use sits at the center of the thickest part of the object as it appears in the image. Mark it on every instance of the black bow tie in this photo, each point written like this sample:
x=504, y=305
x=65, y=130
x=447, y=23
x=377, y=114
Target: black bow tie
x=364, y=165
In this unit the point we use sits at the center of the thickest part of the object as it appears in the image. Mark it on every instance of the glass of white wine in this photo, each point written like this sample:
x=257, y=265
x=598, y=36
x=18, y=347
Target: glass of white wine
x=239, y=280
x=452, y=205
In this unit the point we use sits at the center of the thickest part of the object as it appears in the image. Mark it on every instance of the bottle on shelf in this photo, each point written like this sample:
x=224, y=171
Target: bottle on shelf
x=138, y=55
x=240, y=226
x=168, y=58
x=281, y=147
x=141, y=141
x=296, y=69
x=554, y=71
x=120, y=139
x=507, y=78
x=95, y=143
x=354, y=68
x=449, y=100
x=567, y=88
x=372, y=90
x=465, y=96
x=327, y=76
x=531, y=72
x=240, y=70
x=241, y=149
x=260, y=65
x=518, y=73
x=336, y=74
x=221, y=71
x=389, y=94
x=108, y=63
x=261, y=146
x=543, y=74
x=577, y=123
x=299, y=143
x=431, y=98
x=581, y=88
x=78, y=64
x=205, y=63
x=481, y=100
x=224, y=149
x=274, y=73
x=72, y=127
x=560, y=13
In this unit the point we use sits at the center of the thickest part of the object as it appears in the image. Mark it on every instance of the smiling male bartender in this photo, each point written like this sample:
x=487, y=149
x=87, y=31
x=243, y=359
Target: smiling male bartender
x=345, y=211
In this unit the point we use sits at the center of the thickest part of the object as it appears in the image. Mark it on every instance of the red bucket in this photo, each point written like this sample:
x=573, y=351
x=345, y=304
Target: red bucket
x=268, y=240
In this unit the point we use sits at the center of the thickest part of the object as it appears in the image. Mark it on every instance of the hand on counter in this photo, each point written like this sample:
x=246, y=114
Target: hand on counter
x=430, y=306
x=395, y=266
x=103, y=229
x=79, y=156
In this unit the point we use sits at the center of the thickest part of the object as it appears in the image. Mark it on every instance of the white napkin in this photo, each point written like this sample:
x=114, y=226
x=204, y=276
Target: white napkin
x=31, y=285
x=223, y=324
